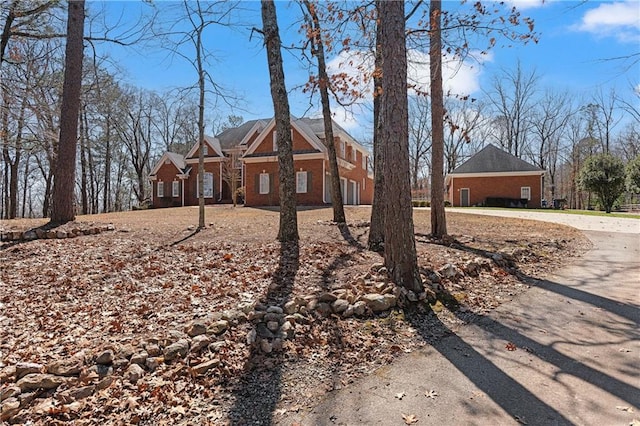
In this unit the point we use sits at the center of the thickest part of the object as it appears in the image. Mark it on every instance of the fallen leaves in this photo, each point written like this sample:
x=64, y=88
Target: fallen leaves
x=409, y=419
x=511, y=346
x=62, y=297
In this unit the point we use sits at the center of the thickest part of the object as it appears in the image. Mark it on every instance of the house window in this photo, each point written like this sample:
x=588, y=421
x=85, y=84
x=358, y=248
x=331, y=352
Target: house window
x=208, y=186
x=343, y=150
x=275, y=140
x=205, y=150
x=364, y=162
x=160, y=189
x=354, y=155
x=264, y=183
x=525, y=192
x=301, y=182
x=175, y=188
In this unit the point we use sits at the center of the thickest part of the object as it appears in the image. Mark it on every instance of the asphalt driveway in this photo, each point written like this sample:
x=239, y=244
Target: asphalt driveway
x=565, y=352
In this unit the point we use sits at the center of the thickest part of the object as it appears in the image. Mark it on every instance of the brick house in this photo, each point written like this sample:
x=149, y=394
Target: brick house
x=247, y=155
x=494, y=178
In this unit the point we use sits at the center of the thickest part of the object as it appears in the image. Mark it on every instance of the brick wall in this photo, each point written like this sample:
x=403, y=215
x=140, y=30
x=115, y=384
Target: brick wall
x=312, y=197
x=480, y=188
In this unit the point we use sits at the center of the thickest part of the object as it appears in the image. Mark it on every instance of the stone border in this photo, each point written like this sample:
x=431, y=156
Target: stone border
x=42, y=234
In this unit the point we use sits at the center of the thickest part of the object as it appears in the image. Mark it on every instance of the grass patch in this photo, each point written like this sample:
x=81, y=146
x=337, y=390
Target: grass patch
x=568, y=211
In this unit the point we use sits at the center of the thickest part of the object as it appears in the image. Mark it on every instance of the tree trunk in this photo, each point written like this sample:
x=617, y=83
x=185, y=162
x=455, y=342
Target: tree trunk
x=84, y=195
x=288, y=231
x=399, y=241
x=106, y=199
x=318, y=47
x=376, y=228
x=438, y=217
x=64, y=179
x=200, y=125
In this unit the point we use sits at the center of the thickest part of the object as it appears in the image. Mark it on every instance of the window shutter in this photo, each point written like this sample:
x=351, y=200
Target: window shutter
x=308, y=182
x=257, y=184
x=271, y=183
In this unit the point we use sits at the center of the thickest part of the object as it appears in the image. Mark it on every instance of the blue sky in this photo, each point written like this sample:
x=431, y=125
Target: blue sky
x=578, y=42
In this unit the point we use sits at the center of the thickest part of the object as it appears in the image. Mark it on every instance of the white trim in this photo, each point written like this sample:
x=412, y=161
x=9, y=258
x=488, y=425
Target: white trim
x=212, y=142
x=161, y=163
x=528, y=190
x=270, y=128
x=206, y=160
x=450, y=176
x=182, y=192
x=198, y=185
x=299, y=188
x=324, y=178
x=261, y=190
x=221, y=187
x=256, y=128
x=159, y=185
x=175, y=189
x=273, y=158
x=345, y=164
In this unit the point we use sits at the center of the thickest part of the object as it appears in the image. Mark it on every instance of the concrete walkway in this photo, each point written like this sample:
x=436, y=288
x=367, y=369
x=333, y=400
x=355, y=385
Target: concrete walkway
x=565, y=352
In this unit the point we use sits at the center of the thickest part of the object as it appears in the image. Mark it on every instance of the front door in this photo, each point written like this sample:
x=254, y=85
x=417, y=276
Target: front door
x=464, y=197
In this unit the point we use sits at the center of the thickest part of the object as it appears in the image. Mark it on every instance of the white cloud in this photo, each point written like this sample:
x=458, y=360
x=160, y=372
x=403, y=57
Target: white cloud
x=527, y=4
x=619, y=19
x=459, y=77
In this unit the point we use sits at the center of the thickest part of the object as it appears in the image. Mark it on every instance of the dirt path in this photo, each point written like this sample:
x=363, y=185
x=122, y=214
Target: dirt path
x=565, y=352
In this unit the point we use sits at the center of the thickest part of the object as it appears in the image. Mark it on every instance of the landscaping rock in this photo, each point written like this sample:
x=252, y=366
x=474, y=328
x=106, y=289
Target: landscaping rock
x=206, y=366
x=134, y=372
x=76, y=394
x=339, y=306
x=65, y=367
x=36, y=381
x=9, y=408
x=219, y=327
x=176, y=350
x=9, y=392
x=140, y=358
x=24, y=368
x=327, y=298
x=106, y=357
x=359, y=308
x=196, y=328
x=199, y=342
x=379, y=302
x=323, y=309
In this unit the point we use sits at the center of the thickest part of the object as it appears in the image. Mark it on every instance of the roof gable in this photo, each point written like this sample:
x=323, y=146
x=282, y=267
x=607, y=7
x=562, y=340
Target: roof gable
x=238, y=136
x=176, y=159
x=300, y=127
x=212, y=143
x=492, y=159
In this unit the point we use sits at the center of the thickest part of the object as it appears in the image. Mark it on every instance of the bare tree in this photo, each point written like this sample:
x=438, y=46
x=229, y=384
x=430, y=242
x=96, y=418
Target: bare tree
x=464, y=130
x=64, y=176
x=399, y=242
x=315, y=36
x=549, y=126
x=419, y=136
x=513, y=98
x=377, y=226
x=288, y=230
x=438, y=218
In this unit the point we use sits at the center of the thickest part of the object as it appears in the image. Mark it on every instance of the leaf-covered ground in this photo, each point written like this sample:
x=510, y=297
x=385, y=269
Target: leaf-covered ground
x=140, y=287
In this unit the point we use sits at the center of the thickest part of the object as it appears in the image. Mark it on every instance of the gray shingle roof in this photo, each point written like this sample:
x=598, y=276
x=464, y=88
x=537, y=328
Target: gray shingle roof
x=177, y=159
x=230, y=138
x=491, y=159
